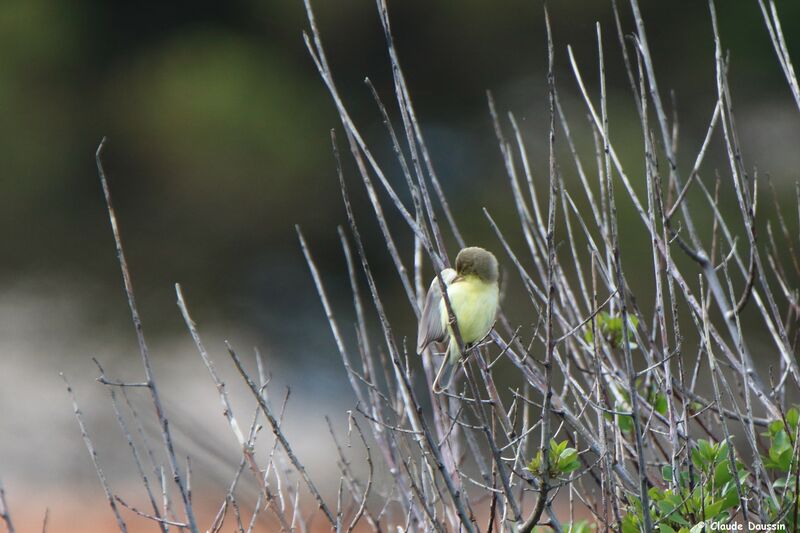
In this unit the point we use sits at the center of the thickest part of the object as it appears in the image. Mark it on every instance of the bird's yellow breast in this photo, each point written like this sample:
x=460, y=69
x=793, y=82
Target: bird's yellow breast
x=474, y=303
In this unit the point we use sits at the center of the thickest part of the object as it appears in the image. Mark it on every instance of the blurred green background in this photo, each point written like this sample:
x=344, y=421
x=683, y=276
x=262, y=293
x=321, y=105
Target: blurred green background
x=218, y=143
x=218, y=128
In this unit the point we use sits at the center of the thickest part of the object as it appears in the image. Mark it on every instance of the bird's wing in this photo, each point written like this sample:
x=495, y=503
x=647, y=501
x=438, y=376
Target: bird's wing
x=431, y=328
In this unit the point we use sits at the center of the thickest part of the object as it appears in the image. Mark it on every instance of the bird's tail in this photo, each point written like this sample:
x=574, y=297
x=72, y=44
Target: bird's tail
x=448, y=368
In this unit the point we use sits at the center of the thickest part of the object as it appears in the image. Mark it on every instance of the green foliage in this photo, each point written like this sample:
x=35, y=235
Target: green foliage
x=709, y=495
x=781, y=447
x=654, y=397
x=610, y=328
x=781, y=460
x=581, y=526
x=562, y=460
x=624, y=422
x=657, y=399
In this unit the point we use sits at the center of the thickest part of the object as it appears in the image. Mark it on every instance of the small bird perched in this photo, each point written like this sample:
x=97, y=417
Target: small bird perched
x=473, y=293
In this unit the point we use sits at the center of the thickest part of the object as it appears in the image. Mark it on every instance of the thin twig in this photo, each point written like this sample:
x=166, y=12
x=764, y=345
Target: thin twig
x=93, y=454
x=144, y=352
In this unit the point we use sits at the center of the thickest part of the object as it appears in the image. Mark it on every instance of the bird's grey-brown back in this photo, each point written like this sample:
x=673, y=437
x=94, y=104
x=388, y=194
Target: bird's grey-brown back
x=479, y=262
x=431, y=329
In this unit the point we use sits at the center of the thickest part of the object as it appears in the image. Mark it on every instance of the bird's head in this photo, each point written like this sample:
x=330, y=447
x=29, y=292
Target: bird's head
x=477, y=262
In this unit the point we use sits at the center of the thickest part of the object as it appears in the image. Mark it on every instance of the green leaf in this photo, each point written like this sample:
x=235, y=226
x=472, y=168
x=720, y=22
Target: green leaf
x=792, y=417
x=665, y=506
x=630, y=524
x=722, y=451
x=782, y=441
x=660, y=404
x=625, y=422
x=697, y=459
x=730, y=498
x=581, y=526
x=535, y=465
x=722, y=473
x=775, y=426
x=561, y=459
x=571, y=467
x=713, y=509
x=785, y=460
x=780, y=453
x=678, y=518
x=655, y=494
x=568, y=456
x=707, y=449
x=565, y=459
x=743, y=475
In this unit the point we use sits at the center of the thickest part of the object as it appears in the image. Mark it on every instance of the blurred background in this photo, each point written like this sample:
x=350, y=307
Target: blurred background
x=218, y=143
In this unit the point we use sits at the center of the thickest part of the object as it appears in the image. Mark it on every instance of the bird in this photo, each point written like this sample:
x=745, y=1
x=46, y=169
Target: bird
x=473, y=292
